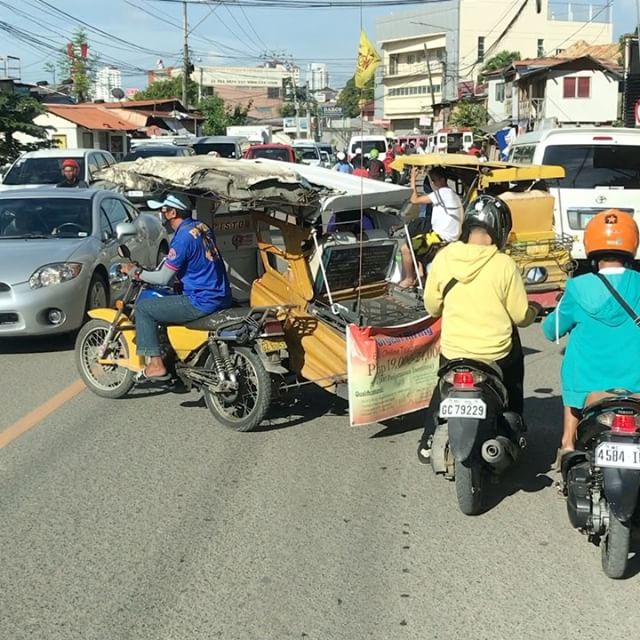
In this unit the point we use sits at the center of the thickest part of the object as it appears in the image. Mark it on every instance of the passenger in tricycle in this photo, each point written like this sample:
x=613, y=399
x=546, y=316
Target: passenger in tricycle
x=446, y=217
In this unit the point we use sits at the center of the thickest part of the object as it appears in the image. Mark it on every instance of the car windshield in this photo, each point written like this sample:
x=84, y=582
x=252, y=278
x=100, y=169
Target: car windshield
x=45, y=218
x=368, y=145
x=271, y=154
x=225, y=149
x=38, y=171
x=588, y=165
x=148, y=152
x=309, y=153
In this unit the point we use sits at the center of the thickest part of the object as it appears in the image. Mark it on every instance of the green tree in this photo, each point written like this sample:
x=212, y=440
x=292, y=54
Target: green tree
x=287, y=110
x=469, y=114
x=501, y=60
x=16, y=116
x=167, y=89
x=349, y=98
x=77, y=67
x=218, y=116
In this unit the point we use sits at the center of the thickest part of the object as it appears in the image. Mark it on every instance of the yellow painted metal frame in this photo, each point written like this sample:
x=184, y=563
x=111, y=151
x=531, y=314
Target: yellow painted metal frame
x=128, y=330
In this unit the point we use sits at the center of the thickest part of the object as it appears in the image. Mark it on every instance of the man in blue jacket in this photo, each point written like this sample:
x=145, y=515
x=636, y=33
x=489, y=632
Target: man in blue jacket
x=603, y=350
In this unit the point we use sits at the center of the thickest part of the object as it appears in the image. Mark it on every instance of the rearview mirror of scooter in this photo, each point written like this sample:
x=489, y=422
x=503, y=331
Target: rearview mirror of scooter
x=123, y=252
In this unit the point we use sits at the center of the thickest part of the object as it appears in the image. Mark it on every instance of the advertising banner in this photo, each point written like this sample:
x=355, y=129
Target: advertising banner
x=391, y=370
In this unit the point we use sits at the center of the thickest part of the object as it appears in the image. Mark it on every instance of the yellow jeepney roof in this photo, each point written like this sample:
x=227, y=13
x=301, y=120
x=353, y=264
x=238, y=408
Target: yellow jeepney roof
x=491, y=171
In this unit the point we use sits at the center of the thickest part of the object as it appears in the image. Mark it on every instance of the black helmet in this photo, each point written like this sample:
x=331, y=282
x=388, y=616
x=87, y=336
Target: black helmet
x=492, y=215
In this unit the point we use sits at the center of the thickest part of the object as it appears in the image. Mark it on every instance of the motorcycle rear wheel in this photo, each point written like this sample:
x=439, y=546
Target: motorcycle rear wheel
x=106, y=381
x=245, y=408
x=469, y=481
x=615, y=548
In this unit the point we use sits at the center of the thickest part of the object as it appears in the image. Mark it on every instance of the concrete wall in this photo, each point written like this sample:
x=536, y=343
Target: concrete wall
x=477, y=18
x=601, y=106
x=435, y=25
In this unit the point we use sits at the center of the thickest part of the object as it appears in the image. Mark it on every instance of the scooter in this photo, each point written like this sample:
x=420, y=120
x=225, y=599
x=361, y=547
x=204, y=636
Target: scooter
x=602, y=477
x=230, y=355
x=476, y=436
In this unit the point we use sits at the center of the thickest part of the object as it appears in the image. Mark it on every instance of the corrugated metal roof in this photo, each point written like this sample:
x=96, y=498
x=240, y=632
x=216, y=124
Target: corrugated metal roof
x=91, y=117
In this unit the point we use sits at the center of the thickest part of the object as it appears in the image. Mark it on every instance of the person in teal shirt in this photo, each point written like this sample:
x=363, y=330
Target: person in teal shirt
x=603, y=349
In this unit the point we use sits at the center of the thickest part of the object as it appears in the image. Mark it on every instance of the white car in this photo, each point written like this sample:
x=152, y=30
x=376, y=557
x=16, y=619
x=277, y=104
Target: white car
x=309, y=153
x=367, y=143
x=44, y=167
x=602, y=172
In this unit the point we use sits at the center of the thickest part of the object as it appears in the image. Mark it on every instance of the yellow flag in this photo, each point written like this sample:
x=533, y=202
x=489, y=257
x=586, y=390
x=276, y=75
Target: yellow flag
x=368, y=61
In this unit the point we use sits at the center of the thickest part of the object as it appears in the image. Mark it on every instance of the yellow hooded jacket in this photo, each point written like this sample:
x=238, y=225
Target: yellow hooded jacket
x=480, y=310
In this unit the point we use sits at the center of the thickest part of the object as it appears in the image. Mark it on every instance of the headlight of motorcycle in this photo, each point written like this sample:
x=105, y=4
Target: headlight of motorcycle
x=536, y=275
x=55, y=273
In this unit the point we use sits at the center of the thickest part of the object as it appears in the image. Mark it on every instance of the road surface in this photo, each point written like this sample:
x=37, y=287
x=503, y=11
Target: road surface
x=139, y=519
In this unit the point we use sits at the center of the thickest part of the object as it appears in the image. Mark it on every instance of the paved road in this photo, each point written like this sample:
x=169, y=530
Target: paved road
x=138, y=519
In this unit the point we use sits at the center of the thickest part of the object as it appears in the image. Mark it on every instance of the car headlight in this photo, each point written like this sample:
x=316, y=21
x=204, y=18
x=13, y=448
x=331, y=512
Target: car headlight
x=54, y=274
x=536, y=275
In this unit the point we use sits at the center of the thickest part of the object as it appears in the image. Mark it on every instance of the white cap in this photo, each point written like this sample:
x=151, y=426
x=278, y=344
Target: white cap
x=341, y=155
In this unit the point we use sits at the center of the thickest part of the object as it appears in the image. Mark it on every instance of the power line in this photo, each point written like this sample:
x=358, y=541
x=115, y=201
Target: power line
x=309, y=4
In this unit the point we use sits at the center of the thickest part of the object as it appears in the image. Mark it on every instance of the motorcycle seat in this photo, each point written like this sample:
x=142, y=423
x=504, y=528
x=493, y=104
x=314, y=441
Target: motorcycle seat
x=215, y=320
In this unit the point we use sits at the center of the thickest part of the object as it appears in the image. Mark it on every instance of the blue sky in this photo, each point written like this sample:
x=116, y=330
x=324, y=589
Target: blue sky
x=224, y=36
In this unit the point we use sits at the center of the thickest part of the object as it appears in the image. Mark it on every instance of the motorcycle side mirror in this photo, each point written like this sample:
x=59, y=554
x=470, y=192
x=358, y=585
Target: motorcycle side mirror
x=126, y=230
x=123, y=252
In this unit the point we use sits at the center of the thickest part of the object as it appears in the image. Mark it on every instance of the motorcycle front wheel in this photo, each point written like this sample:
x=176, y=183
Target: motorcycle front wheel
x=244, y=408
x=615, y=548
x=468, y=481
x=108, y=381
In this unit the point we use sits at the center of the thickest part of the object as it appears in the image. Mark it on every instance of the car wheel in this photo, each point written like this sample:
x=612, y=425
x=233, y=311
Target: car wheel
x=98, y=294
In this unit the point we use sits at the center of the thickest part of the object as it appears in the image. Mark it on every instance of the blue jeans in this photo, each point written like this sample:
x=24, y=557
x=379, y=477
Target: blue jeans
x=154, y=311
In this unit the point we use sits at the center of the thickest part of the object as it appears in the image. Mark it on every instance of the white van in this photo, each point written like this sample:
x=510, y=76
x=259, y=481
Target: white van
x=367, y=143
x=602, y=172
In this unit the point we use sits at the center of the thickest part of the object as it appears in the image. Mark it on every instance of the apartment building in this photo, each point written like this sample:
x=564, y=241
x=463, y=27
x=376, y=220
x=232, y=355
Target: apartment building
x=436, y=53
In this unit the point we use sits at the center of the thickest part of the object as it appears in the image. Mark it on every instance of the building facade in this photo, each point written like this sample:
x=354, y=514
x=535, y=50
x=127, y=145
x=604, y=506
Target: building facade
x=317, y=77
x=261, y=87
x=453, y=39
x=107, y=79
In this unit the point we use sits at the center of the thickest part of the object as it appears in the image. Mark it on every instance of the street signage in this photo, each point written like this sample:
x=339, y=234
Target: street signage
x=331, y=111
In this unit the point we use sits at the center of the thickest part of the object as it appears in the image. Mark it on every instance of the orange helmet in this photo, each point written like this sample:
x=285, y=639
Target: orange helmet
x=611, y=231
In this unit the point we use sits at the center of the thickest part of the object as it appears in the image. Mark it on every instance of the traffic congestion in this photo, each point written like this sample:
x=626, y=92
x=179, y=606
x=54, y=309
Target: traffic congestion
x=286, y=361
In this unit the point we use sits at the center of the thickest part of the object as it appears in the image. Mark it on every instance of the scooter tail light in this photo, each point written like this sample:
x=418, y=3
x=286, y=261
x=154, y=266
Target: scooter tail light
x=464, y=379
x=272, y=328
x=624, y=423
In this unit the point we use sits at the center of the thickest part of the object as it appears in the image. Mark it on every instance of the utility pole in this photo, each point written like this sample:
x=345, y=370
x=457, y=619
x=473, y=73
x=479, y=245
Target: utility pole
x=185, y=58
x=433, y=97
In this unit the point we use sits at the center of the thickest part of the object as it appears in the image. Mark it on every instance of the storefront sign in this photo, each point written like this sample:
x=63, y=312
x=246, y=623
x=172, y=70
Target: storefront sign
x=391, y=370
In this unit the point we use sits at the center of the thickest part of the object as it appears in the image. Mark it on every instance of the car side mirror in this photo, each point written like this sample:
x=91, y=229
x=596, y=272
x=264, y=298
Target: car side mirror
x=126, y=230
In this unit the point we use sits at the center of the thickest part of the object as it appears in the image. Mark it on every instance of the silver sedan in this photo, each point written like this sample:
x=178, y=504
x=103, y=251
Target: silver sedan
x=58, y=249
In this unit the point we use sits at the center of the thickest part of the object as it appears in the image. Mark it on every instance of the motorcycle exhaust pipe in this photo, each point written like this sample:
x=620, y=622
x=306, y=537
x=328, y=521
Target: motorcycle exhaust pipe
x=499, y=453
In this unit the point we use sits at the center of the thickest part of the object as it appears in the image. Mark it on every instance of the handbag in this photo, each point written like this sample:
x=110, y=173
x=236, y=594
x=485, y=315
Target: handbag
x=620, y=300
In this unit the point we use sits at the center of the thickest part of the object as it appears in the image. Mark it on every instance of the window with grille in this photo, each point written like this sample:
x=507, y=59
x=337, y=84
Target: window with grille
x=540, y=52
x=480, y=48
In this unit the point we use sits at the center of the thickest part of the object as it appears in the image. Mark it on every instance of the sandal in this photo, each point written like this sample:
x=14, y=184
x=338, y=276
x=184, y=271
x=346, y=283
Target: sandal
x=142, y=377
x=556, y=470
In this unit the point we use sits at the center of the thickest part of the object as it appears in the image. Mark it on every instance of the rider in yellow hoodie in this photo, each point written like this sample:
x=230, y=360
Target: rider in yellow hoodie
x=480, y=295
